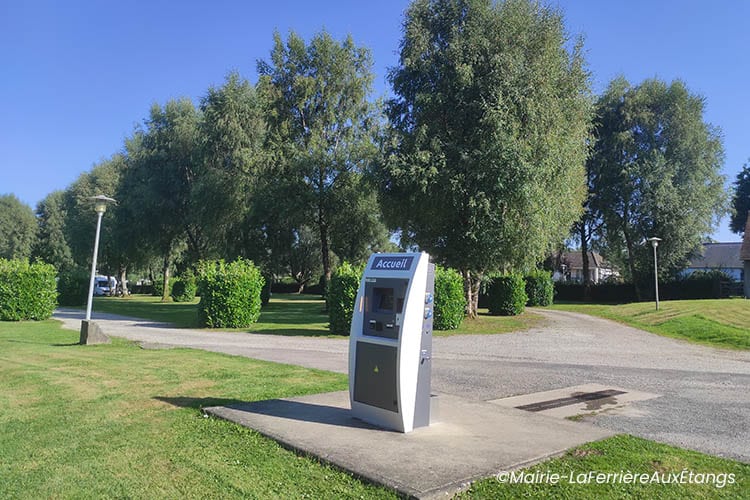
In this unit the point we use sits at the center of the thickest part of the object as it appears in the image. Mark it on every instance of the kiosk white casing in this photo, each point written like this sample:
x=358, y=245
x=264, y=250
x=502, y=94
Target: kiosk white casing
x=390, y=345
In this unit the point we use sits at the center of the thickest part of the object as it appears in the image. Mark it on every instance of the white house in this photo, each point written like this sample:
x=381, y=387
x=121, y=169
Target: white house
x=571, y=268
x=724, y=257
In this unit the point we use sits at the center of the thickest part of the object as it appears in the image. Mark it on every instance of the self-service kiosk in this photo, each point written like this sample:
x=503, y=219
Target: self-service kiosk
x=390, y=346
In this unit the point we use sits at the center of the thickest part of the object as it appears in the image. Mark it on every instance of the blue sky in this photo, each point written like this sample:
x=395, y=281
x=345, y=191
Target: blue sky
x=78, y=76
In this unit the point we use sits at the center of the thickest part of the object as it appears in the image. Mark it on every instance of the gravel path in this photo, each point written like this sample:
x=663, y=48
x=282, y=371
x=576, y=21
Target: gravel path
x=705, y=403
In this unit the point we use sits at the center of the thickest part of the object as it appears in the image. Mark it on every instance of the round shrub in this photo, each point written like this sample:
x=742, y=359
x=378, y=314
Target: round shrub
x=184, y=288
x=230, y=293
x=539, y=288
x=73, y=288
x=450, y=302
x=342, y=292
x=506, y=295
x=27, y=291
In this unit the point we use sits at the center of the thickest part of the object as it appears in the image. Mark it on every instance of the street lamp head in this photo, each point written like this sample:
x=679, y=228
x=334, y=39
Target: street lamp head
x=654, y=241
x=100, y=203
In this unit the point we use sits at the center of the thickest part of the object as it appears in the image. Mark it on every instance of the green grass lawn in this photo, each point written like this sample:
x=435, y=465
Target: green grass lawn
x=291, y=314
x=119, y=421
x=626, y=454
x=720, y=323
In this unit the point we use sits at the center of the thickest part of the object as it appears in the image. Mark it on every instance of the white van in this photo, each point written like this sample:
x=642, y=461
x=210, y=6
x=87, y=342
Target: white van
x=101, y=286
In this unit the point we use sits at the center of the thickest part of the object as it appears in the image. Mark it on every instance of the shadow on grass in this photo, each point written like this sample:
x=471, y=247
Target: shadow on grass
x=197, y=403
x=282, y=408
x=294, y=332
x=293, y=313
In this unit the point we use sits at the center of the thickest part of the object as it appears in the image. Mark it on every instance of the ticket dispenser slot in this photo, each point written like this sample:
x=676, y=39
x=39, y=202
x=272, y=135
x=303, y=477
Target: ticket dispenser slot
x=390, y=346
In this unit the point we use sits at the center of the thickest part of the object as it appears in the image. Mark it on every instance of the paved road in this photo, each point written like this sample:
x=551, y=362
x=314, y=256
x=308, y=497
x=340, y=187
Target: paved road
x=705, y=403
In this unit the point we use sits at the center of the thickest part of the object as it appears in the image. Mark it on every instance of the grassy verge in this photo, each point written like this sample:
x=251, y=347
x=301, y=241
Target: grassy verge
x=712, y=477
x=292, y=314
x=485, y=324
x=721, y=323
x=119, y=421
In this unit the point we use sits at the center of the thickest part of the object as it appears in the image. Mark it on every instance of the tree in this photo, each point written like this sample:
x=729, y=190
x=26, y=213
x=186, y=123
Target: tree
x=321, y=130
x=80, y=223
x=741, y=200
x=51, y=245
x=233, y=131
x=655, y=172
x=159, y=183
x=485, y=162
x=17, y=228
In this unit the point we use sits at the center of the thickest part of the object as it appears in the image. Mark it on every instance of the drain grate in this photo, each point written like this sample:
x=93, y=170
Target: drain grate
x=570, y=400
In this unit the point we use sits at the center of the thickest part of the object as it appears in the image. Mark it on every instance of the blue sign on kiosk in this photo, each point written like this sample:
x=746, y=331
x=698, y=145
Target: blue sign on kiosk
x=390, y=347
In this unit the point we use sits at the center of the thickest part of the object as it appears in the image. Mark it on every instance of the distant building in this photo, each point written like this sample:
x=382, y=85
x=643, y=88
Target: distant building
x=724, y=257
x=570, y=268
x=745, y=256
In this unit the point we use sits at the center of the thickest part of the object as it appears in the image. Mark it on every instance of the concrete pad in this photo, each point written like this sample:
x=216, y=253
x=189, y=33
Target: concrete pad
x=569, y=394
x=473, y=440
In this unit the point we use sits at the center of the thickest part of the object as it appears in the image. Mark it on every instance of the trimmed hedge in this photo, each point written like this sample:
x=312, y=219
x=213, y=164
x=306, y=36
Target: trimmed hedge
x=342, y=292
x=450, y=301
x=506, y=295
x=27, y=291
x=230, y=293
x=184, y=287
x=539, y=288
x=699, y=286
x=73, y=288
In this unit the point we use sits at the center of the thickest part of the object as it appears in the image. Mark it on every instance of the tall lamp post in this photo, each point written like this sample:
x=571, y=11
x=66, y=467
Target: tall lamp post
x=88, y=334
x=655, y=243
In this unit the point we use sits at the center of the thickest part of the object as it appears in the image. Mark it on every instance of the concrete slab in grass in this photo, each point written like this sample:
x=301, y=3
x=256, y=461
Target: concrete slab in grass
x=472, y=440
x=575, y=401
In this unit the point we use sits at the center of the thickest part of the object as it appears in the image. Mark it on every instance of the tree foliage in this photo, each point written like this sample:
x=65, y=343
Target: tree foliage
x=17, y=228
x=321, y=135
x=655, y=169
x=51, y=244
x=741, y=201
x=485, y=162
x=157, y=190
x=232, y=134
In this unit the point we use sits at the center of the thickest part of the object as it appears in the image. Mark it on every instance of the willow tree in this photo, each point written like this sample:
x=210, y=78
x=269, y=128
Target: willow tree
x=321, y=133
x=655, y=171
x=485, y=163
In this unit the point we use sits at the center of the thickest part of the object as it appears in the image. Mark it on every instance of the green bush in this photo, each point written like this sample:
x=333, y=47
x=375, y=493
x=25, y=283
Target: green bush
x=27, y=291
x=506, y=295
x=184, y=288
x=73, y=288
x=230, y=293
x=450, y=302
x=342, y=292
x=539, y=288
x=158, y=286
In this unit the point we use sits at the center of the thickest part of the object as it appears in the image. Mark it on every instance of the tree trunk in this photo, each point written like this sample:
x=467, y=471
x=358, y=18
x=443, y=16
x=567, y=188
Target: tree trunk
x=324, y=254
x=471, y=292
x=631, y=265
x=165, y=276
x=123, y=278
x=585, y=261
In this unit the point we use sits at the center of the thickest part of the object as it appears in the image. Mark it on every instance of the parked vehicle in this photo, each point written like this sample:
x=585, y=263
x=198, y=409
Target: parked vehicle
x=101, y=286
